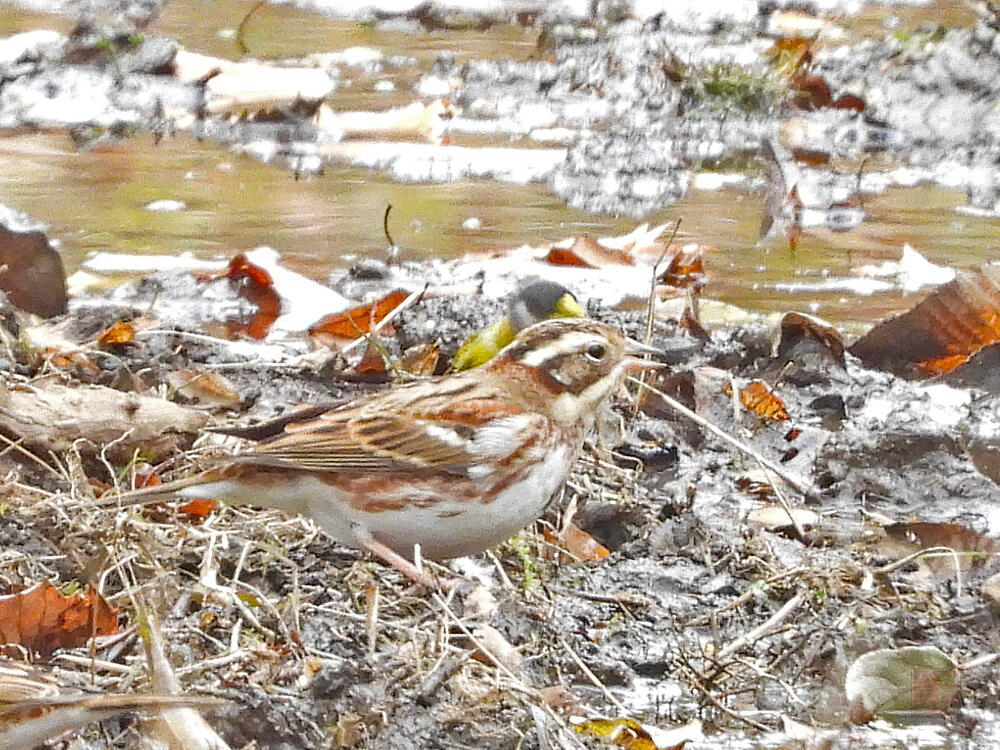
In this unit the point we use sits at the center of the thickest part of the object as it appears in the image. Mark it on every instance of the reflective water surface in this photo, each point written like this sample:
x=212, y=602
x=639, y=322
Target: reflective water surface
x=97, y=200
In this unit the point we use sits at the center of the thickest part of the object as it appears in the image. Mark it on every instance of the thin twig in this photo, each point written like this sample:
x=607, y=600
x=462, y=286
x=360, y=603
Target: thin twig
x=929, y=552
x=593, y=677
x=803, y=487
x=390, y=316
x=764, y=628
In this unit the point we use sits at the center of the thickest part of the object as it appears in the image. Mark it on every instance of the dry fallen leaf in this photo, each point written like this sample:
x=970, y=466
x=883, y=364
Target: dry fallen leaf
x=939, y=332
x=776, y=517
x=758, y=397
x=210, y=388
x=686, y=269
x=256, y=287
x=578, y=543
x=117, y=334
x=498, y=646
x=908, y=682
x=589, y=253
x=420, y=359
x=43, y=619
x=350, y=324
x=970, y=547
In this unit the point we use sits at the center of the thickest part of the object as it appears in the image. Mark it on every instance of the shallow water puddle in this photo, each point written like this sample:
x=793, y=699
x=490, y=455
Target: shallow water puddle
x=104, y=199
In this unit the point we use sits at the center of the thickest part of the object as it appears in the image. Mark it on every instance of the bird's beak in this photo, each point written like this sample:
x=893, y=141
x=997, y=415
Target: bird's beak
x=568, y=307
x=635, y=349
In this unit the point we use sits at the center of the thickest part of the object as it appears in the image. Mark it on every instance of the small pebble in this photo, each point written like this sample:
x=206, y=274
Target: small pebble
x=472, y=223
x=384, y=86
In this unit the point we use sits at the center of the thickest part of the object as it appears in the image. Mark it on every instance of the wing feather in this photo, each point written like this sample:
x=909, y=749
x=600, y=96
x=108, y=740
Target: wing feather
x=392, y=435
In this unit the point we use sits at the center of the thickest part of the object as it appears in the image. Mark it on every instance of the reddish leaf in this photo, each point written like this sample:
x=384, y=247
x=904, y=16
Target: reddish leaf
x=353, y=323
x=686, y=269
x=117, y=334
x=256, y=287
x=199, y=507
x=144, y=475
x=812, y=92
x=372, y=362
x=43, y=619
x=941, y=331
x=588, y=252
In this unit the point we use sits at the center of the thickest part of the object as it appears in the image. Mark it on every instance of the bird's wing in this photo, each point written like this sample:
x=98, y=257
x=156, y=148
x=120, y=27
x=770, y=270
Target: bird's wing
x=401, y=435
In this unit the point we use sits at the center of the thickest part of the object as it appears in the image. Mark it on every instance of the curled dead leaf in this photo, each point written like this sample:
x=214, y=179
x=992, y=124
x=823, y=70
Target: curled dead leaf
x=43, y=619
x=578, y=543
x=939, y=332
x=210, y=388
x=256, y=286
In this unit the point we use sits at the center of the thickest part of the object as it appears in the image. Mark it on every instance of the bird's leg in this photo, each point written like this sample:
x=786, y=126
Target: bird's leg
x=367, y=542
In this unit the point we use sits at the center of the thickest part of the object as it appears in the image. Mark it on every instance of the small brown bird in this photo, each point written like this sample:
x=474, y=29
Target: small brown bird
x=455, y=464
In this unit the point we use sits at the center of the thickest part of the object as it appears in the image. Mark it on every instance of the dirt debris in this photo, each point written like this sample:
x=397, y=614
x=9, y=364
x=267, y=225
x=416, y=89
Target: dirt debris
x=697, y=612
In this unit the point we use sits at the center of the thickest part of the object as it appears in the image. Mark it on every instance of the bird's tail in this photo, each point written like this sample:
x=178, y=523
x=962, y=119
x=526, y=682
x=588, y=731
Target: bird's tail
x=158, y=492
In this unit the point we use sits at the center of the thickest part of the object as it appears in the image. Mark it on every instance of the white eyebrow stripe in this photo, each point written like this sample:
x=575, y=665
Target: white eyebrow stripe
x=569, y=341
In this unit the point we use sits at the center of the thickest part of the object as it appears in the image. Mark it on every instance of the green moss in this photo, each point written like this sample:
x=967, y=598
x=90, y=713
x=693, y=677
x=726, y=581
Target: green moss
x=729, y=86
x=739, y=87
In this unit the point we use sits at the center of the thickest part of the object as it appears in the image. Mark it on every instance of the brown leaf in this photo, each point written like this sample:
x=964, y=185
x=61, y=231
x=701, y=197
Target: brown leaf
x=31, y=272
x=578, y=543
x=144, y=475
x=559, y=697
x=350, y=324
x=256, y=287
x=758, y=397
x=77, y=363
x=43, y=619
x=939, y=332
x=588, y=252
x=421, y=359
x=198, y=507
x=971, y=547
x=117, y=334
x=210, y=388
x=686, y=269
x=371, y=365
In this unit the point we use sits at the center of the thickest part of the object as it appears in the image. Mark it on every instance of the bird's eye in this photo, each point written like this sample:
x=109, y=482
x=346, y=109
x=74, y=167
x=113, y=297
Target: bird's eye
x=596, y=352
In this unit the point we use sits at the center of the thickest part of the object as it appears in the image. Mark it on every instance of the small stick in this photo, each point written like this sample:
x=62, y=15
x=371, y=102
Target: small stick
x=803, y=487
x=392, y=314
x=799, y=531
x=764, y=628
x=593, y=678
x=931, y=552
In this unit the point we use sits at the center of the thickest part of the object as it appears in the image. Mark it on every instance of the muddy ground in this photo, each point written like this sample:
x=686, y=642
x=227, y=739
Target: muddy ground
x=692, y=568
x=703, y=609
